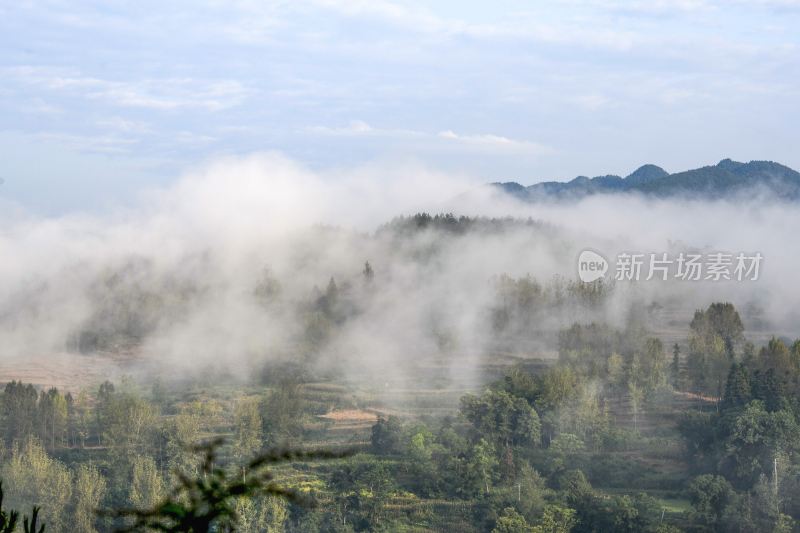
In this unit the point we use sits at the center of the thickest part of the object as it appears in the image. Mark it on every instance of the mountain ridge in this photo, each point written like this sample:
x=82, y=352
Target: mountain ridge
x=726, y=178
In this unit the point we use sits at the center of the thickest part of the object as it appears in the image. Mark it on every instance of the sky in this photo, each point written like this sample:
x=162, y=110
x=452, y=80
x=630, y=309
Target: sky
x=102, y=100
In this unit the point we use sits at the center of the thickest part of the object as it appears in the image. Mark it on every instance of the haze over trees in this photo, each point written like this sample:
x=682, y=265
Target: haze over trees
x=569, y=418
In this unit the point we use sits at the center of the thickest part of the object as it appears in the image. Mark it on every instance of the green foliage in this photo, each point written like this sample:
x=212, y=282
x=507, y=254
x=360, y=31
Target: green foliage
x=555, y=519
x=261, y=514
x=89, y=488
x=714, y=337
x=738, y=390
x=601, y=409
x=248, y=428
x=386, y=436
x=146, y=485
x=208, y=502
x=511, y=521
x=125, y=421
x=33, y=476
x=710, y=496
x=504, y=419
x=754, y=436
x=362, y=489
x=282, y=413
x=20, y=411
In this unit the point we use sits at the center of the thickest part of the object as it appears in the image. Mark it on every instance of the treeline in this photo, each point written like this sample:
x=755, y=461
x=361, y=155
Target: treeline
x=512, y=451
x=528, y=451
x=120, y=449
x=747, y=448
x=526, y=306
x=570, y=448
x=456, y=225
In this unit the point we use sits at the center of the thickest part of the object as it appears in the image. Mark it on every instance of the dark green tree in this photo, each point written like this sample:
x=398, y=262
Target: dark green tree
x=504, y=419
x=738, y=391
x=710, y=495
x=387, y=436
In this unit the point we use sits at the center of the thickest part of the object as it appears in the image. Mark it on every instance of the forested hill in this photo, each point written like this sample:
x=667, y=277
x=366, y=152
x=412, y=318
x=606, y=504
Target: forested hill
x=726, y=178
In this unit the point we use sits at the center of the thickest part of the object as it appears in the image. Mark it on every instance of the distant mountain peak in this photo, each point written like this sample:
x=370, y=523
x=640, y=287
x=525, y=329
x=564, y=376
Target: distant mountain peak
x=646, y=173
x=729, y=164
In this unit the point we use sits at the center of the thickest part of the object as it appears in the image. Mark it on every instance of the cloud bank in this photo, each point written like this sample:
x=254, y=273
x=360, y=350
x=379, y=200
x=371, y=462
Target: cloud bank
x=231, y=268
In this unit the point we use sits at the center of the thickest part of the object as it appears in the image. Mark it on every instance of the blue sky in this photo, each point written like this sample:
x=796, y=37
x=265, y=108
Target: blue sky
x=100, y=100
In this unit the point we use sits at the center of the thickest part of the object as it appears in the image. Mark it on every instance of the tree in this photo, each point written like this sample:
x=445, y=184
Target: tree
x=182, y=433
x=19, y=411
x=510, y=521
x=771, y=389
x=105, y=395
x=753, y=438
x=88, y=491
x=480, y=465
x=738, y=391
x=329, y=302
x=562, y=448
x=386, y=437
x=710, y=495
x=368, y=273
x=714, y=336
x=675, y=368
x=147, y=486
x=555, y=387
x=282, y=413
x=652, y=362
x=724, y=321
x=125, y=420
x=261, y=514
x=207, y=502
x=505, y=419
x=33, y=476
x=615, y=369
x=775, y=355
x=637, y=396
x=52, y=415
x=79, y=415
x=248, y=436
x=362, y=487
x=555, y=519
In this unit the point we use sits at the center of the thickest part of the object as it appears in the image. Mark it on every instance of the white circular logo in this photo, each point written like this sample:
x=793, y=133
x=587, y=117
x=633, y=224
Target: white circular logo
x=591, y=266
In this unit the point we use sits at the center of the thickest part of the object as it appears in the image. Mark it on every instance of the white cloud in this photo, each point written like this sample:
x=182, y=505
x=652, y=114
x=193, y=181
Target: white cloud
x=486, y=141
x=124, y=125
x=496, y=142
x=157, y=94
x=104, y=144
x=356, y=127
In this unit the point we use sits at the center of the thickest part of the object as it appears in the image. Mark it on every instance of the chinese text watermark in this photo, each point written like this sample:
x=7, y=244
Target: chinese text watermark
x=684, y=266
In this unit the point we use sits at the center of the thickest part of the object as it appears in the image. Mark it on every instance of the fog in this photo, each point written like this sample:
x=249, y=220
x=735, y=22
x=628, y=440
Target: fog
x=220, y=272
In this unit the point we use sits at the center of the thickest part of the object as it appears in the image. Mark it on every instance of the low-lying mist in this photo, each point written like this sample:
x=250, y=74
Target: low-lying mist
x=258, y=259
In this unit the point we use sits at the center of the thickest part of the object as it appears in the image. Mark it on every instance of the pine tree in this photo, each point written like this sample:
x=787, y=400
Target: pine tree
x=737, y=388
